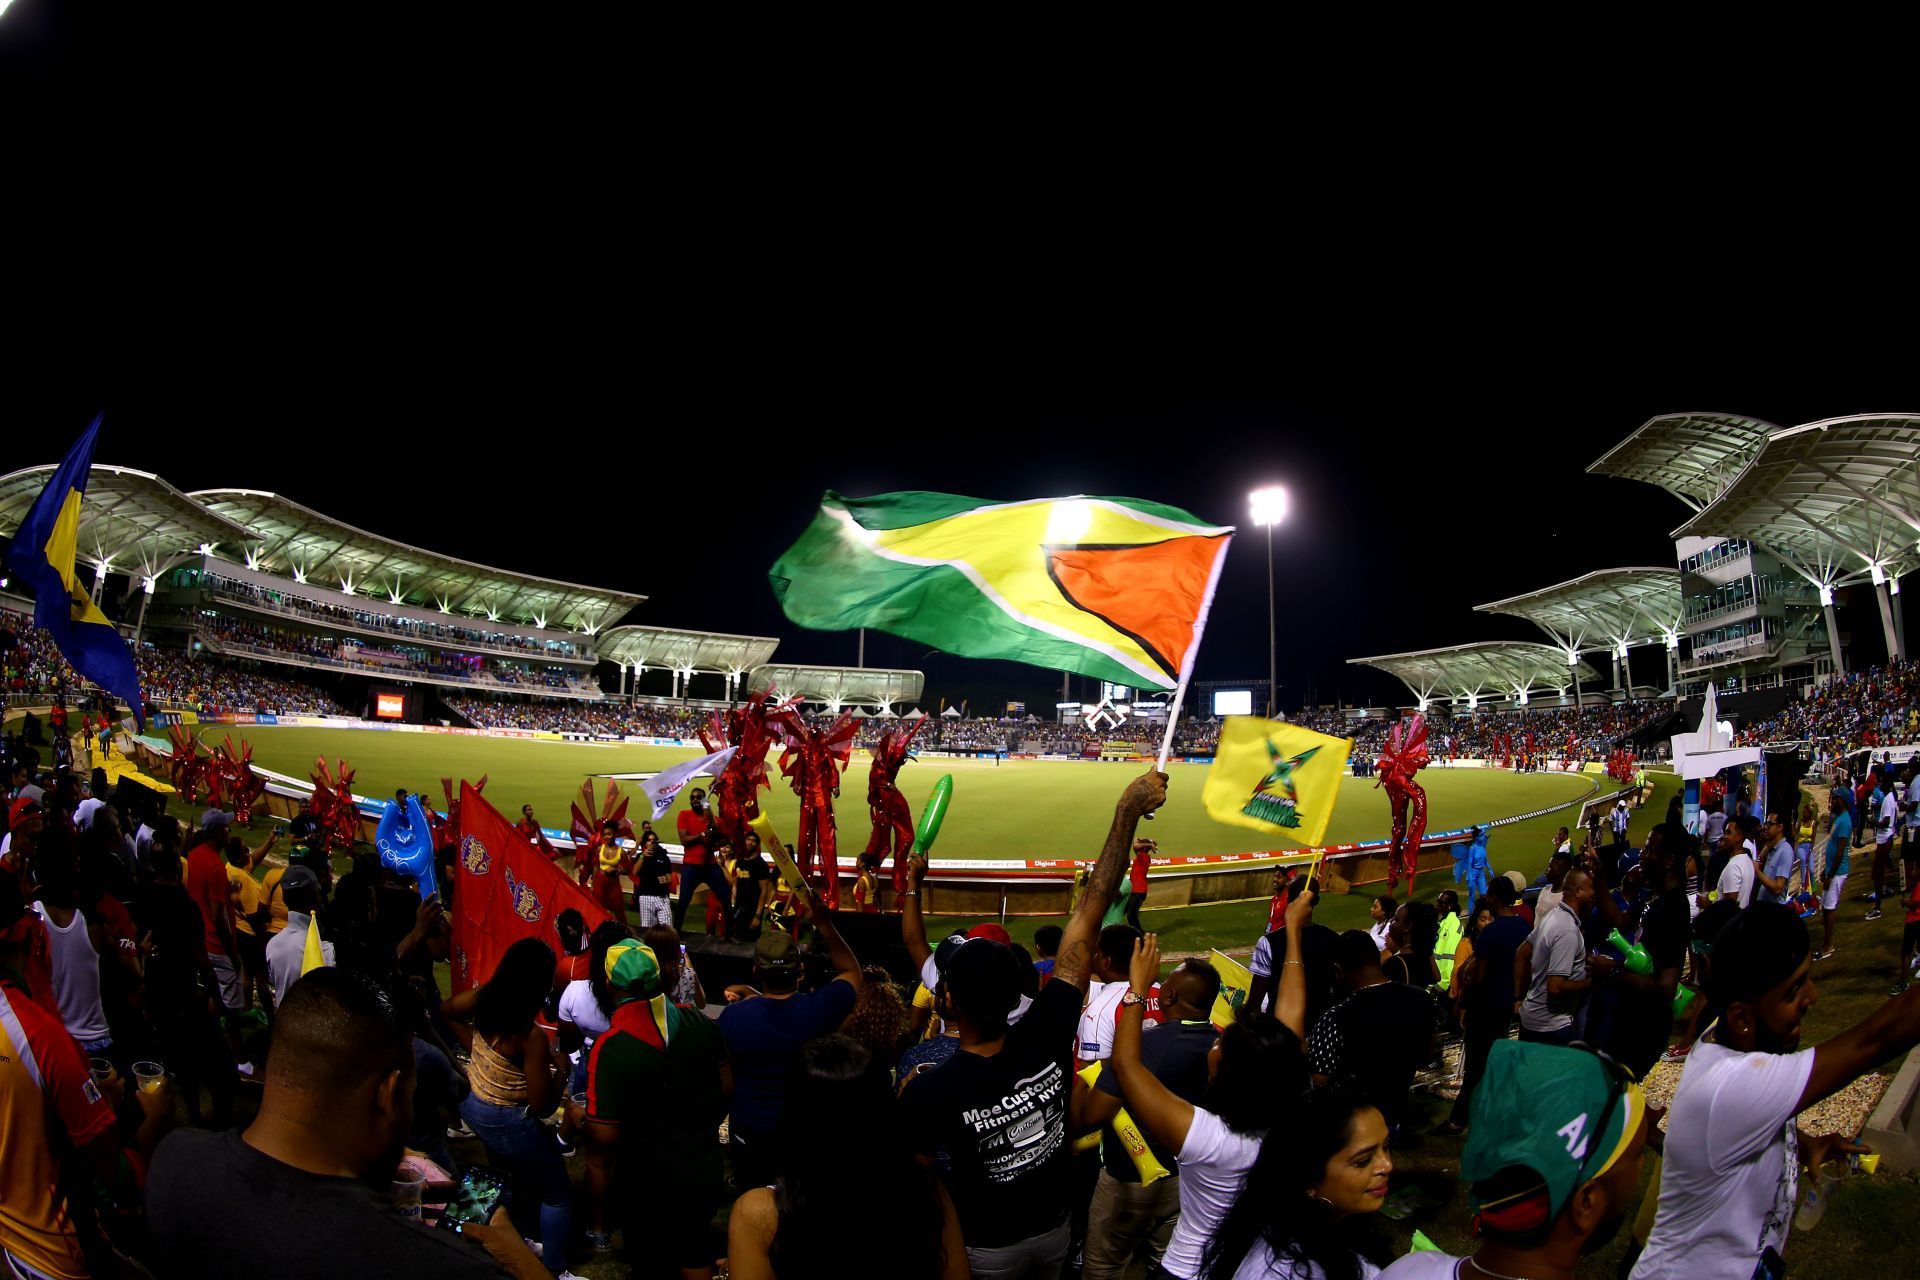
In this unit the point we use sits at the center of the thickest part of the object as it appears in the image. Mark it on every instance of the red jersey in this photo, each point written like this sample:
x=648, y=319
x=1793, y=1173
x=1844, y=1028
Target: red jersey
x=531, y=830
x=210, y=890
x=1137, y=873
x=695, y=829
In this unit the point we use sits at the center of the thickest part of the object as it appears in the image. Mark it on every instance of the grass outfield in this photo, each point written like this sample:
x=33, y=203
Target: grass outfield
x=1025, y=808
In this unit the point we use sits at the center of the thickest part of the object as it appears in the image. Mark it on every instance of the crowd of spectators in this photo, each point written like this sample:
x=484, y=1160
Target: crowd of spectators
x=1877, y=707
x=35, y=672
x=371, y=619
x=155, y=970
x=249, y=636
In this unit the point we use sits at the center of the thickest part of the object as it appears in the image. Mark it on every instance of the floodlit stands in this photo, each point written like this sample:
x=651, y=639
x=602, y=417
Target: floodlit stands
x=1464, y=673
x=685, y=654
x=1606, y=611
x=292, y=540
x=837, y=687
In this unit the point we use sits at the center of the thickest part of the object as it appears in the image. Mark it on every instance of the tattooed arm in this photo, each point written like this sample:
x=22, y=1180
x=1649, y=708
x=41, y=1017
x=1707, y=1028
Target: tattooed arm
x=1142, y=796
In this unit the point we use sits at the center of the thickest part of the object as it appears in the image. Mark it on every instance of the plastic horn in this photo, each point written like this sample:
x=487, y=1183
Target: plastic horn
x=1682, y=997
x=1633, y=955
x=932, y=814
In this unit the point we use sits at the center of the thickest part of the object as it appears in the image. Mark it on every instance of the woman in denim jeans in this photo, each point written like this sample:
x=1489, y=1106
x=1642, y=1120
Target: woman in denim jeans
x=517, y=1076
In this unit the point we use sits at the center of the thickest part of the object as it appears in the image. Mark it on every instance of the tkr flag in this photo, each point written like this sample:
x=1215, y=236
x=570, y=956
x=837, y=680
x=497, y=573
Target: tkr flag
x=504, y=891
x=662, y=788
x=1275, y=776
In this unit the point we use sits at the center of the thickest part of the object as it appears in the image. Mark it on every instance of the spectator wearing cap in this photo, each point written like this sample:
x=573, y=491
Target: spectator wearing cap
x=316, y=1161
x=287, y=950
x=1730, y=1175
x=1552, y=1180
x=764, y=1034
x=999, y=1105
x=658, y=1082
x=24, y=817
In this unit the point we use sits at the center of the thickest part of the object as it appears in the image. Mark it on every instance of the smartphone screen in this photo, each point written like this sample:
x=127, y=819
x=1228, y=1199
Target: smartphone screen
x=478, y=1195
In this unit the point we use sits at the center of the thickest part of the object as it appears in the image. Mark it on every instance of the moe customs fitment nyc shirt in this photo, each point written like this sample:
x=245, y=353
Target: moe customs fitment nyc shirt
x=1003, y=1123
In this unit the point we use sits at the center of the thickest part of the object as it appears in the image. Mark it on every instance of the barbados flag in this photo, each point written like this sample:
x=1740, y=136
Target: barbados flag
x=42, y=555
x=1113, y=588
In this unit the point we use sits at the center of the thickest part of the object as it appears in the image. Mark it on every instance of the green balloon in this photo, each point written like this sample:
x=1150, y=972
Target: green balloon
x=933, y=814
x=1637, y=960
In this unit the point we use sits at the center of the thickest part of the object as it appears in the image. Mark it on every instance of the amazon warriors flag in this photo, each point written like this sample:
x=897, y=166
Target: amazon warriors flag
x=1275, y=776
x=1113, y=588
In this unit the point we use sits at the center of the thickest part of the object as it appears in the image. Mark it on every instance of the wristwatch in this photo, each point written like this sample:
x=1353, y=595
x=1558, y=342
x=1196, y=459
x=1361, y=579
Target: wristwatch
x=1131, y=998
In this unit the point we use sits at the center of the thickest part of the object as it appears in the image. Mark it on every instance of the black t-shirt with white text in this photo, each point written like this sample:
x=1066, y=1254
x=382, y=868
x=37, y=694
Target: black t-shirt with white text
x=653, y=876
x=1003, y=1122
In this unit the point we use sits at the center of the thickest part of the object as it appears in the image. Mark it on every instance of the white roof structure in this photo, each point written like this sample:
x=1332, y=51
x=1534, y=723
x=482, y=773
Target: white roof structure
x=1838, y=500
x=1493, y=667
x=882, y=687
x=131, y=521
x=1693, y=456
x=296, y=541
x=688, y=652
x=1606, y=610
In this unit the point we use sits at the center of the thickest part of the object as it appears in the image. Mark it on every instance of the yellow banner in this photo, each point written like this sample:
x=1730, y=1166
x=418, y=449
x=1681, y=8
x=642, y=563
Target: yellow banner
x=1235, y=979
x=1275, y=776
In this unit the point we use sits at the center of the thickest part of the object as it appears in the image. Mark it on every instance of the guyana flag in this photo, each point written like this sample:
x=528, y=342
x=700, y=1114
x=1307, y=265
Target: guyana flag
x=1113, y=588
x=1275, y=776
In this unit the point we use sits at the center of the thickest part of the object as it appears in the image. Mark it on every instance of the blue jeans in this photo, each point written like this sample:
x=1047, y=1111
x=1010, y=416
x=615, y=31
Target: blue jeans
x=530, y=1153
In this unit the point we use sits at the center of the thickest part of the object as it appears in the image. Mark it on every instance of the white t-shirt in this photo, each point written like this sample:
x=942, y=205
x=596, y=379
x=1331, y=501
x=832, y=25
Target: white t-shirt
x=83, y=815
x=578, y=1006
x=1378, y=933
x=1213, y=1167
x=1728, y=1184
x=1889, y=818
x=1913, y=802
x=1260, y=1264
x=1736, y=880
x=1428, y=1264
x=1094, y=1040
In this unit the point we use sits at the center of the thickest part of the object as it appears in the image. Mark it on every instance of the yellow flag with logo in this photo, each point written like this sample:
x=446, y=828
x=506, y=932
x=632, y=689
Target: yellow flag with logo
x=1275, y=776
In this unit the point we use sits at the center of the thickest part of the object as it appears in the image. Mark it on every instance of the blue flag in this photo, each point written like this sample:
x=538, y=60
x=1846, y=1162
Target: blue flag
x=42, y=555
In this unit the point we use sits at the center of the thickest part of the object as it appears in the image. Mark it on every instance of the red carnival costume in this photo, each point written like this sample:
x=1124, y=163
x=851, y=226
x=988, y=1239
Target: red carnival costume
x=751, y=729
x=1405, y=756
x=892, y=820
x=811, y=762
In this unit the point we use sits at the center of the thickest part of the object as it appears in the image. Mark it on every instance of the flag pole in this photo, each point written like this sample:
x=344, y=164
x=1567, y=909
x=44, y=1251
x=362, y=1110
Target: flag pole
x=1193, y=651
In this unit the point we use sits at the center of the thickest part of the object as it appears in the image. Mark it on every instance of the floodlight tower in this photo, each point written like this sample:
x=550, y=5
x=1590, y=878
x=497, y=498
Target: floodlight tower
x=1269, y=508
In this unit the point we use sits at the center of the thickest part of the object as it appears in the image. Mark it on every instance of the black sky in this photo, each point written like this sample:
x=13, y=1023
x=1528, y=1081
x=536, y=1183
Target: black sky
x=630, y=341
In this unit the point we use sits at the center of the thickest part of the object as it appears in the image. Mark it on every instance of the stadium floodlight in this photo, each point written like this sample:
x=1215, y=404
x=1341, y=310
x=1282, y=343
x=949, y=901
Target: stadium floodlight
x=1269, y=505
x=1269, y=508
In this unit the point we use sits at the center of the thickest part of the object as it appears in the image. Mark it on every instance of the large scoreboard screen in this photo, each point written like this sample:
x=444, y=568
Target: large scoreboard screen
x=1233, y=702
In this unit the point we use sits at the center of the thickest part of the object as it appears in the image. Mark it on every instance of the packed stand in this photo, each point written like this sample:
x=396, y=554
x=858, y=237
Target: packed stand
x=365, y=619
x=1873, y=708
x=1008, y=1112
x=247, y=636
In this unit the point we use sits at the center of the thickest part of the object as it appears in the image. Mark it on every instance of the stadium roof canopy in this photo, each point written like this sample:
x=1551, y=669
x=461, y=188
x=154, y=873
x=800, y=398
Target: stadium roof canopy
x=689, y=652
x=130, y=521
x=1839, y=500
x=299, y=542
x=883, y=687
x=1693, y=456
x=1602, y=610
x=1511, y=667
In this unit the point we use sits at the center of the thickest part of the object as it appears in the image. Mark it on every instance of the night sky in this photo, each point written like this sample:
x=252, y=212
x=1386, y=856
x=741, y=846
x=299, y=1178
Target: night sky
x=639, y=365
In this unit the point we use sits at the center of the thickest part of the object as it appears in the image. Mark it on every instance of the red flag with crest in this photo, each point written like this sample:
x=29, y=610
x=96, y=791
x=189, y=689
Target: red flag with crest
x=505, y=891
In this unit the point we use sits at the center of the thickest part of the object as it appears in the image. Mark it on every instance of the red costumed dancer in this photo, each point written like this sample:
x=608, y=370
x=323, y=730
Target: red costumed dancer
x=751, y=729
x=892, y=819
x=811, y=762
x=333, y=807
x=1405, y=756
x=187, y=766
x=598, y=856
x=231, y=777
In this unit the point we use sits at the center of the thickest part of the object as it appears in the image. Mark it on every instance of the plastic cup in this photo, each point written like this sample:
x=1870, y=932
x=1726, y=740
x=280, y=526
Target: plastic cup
x=577, y=1104
x=149, y=1076
x=407, y=1190
x=102, y=1070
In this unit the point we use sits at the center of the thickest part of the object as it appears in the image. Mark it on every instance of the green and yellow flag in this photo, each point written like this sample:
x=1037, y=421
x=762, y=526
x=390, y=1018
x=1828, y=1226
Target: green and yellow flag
x=1113, y=588
x=1275, y=776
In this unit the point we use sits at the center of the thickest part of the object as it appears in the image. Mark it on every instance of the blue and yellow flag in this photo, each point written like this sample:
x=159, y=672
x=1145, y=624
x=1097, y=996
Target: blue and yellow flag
x=42, y=555
x=1275, y=776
